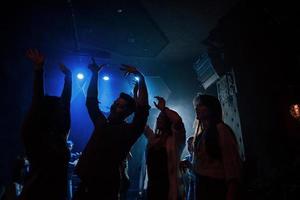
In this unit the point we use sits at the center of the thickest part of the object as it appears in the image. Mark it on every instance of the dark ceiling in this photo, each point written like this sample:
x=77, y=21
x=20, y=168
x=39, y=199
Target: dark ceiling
x=161, y=30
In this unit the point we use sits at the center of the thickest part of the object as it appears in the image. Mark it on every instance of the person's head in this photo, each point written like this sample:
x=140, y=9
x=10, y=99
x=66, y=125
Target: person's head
x=54, y=116
x=190, y=144
x=122, y=107
x=207, y=107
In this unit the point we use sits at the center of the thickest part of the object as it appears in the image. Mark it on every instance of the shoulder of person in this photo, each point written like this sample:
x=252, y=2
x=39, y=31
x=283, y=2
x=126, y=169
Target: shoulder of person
x=224, y=129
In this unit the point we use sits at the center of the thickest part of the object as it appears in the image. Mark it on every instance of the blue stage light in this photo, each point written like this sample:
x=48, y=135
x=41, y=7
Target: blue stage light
x=80, y=76
x=137, y=78
x=106, y=78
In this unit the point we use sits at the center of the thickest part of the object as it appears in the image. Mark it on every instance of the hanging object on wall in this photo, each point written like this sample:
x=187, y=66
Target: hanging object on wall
x=227, y=94
x=205, y=71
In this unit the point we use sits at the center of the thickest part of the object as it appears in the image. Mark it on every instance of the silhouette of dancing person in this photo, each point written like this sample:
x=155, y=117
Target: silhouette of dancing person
x=164, y=150
x=112, y=138
x=44, y=134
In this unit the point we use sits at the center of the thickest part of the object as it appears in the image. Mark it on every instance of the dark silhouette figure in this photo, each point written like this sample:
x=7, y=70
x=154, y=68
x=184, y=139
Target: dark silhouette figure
x=110, y=143
x=164, y=150
x=188, y=174
x=124, y=177
x=20, y=173
x=44, y=133
x=74, y=157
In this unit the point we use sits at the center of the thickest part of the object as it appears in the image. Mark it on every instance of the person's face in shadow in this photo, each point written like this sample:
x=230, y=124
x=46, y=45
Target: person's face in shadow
x=119, y=109
x=202, y=112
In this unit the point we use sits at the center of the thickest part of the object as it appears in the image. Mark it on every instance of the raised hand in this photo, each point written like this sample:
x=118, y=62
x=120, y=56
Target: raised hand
x=36, y=57
x=161, y=104
x=64, y=69
x=142, y=97
x=94, y=67
x=129, y=70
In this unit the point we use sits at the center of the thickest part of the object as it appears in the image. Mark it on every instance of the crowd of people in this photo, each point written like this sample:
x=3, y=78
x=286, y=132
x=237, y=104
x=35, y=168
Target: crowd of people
x=212, y=170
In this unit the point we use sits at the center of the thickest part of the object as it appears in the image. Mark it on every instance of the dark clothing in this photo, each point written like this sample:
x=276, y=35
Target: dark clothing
x=44, y=133
x=125, y=181
x=208, y=188
x=163, y=155
x=110, y=143
x=189, y=177
x=158, y=179
x=71, y=167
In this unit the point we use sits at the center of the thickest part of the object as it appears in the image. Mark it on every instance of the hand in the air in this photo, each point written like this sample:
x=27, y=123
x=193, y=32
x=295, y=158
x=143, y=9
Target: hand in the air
x=36, y=57
x=94, y=67
x=129, y=70
x=161, y=103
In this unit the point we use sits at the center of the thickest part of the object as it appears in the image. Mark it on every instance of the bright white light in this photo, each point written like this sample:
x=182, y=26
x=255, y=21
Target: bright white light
x=137, y=78
x=106, y=78
x=80, y=76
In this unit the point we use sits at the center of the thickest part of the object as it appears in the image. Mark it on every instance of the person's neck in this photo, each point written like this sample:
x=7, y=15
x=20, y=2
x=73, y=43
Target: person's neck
x=114, y=120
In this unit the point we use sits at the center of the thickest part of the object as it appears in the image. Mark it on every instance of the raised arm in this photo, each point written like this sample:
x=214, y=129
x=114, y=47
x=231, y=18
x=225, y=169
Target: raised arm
x=92, y=94
x=171, y=114
x=176, y=122
x=67, y=91
x=38, y=61
x=141, y=94
x=141, y=113
x=174, y=145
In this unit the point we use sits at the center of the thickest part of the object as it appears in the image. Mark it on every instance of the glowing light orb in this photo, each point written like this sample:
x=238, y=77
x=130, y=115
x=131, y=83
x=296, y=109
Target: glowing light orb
x=80, y=76
x=106, y=78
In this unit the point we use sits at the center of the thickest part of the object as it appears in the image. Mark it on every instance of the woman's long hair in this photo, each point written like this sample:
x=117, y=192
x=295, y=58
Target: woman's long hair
x=215, y=117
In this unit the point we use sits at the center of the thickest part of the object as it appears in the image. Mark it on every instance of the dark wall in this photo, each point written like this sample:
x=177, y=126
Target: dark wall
x=260, y=41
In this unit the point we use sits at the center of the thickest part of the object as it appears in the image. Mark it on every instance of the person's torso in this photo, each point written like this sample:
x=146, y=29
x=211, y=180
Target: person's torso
x=106, y=149
x=204, y=163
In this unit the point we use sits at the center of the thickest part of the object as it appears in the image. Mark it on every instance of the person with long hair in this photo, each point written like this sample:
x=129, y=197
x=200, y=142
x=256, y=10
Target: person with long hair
x=216, y=163
x=164, y=149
